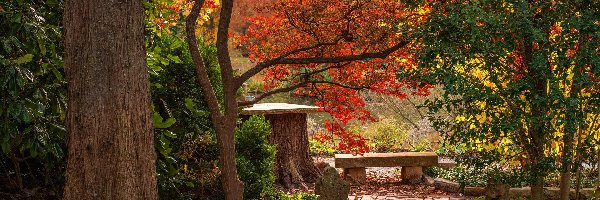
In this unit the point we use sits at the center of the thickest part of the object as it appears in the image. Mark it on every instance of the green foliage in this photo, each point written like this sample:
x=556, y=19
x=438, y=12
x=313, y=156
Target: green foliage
x=316, y=147
x=255, y=158
x=386, y=135
x=514, y=85
x=187, y=162
x=32, y=93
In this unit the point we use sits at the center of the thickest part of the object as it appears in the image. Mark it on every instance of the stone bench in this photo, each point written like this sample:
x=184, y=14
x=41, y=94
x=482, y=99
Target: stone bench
x=412, y=164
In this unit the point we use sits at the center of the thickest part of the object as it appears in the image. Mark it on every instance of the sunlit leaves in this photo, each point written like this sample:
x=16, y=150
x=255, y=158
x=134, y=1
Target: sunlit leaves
x=335, y=29
x=518, y=76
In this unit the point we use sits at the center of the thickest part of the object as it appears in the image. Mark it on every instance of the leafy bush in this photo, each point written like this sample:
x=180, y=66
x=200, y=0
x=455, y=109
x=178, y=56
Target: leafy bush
x=255, y=158
x=386, y=135
x=187, y=153
x=32, y=97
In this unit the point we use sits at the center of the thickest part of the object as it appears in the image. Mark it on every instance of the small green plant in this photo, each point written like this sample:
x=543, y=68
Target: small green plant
x=320, y=146
x=596, y=195
x=255, y=158
x=296, y=196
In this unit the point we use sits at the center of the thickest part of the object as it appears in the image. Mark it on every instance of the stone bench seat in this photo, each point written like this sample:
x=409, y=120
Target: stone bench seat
x=412, y=164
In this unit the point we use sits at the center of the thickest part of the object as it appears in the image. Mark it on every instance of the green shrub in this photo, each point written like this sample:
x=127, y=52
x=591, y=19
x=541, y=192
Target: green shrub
x=255, y=158
x=317, y=148
x=386, y=135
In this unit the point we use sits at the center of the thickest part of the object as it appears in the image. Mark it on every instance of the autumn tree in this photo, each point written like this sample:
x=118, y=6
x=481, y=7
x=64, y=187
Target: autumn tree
x=111, y=151
x=520, y=80
x=330, y=48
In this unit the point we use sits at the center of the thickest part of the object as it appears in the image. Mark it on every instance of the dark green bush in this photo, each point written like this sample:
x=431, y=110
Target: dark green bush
x=32, y=99
x=255, y=158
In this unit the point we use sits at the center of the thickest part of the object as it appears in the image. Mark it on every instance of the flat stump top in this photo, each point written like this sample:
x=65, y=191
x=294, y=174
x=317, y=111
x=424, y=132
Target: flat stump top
x=409, y=159
x=278, y=108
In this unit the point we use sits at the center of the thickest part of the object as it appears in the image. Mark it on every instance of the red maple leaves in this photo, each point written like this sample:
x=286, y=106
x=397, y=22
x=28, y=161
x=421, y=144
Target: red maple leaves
x=322, y=30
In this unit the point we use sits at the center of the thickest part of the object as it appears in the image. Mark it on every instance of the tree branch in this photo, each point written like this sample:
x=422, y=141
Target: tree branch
x=284, y=60
x=229, y=86
x=272, y=92
x=296, y=86
x=265, y=64
x=201, y=74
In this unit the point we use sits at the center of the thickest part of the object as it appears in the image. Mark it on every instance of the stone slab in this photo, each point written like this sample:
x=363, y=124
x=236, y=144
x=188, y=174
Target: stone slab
x=386, y=159
x=278, y=108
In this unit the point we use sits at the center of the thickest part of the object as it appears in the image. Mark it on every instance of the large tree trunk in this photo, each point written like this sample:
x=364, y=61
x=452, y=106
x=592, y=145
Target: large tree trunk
x=110, y=139
x=294, y=166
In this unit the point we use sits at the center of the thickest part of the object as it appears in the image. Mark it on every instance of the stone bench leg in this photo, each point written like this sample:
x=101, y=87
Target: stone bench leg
x=412, y=174
x=355, y=176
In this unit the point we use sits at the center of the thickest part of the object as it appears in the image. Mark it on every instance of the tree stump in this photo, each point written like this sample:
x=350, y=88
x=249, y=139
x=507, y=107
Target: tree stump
x=294, y=167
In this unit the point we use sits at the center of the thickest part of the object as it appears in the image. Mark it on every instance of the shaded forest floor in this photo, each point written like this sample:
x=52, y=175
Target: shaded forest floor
x=385, y=183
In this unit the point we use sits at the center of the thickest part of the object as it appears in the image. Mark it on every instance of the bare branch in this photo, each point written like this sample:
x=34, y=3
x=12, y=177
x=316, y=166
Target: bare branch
x=201, y=74
x=296, y=86
x=262, y=65
x=284, y=60
x=272, y=92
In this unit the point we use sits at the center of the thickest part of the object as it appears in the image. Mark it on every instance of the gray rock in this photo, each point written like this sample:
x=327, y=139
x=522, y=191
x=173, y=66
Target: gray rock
x=446, y=185
x=515, y=193
x=331, y=186
x=428, y=180
x=497, y=191
x=474, y=191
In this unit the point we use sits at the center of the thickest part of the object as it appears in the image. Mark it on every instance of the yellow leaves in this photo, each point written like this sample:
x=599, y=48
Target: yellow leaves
x=460, y=118
x=522, y=97
x=508, y=6
x=482, y=118
x=382, y=24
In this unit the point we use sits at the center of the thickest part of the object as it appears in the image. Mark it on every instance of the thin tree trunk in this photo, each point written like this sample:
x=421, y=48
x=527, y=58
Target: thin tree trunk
x=223, y=122
x=232, y=186
x=565, y=184
x=111, y=151
x=578, y=183
x=537, y=188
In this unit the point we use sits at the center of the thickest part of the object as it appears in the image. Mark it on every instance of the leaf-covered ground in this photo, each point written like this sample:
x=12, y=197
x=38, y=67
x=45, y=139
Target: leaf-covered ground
x=385, y=183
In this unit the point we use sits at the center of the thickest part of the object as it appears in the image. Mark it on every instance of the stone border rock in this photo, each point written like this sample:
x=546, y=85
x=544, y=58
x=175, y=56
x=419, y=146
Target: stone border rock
x=550, y=192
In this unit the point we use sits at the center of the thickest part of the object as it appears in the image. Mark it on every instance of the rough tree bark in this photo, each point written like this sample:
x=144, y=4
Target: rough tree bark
x=294, y=165
x=110, y=139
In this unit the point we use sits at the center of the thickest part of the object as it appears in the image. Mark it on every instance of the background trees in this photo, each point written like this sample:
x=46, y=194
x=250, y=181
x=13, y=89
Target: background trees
x=520, y=81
